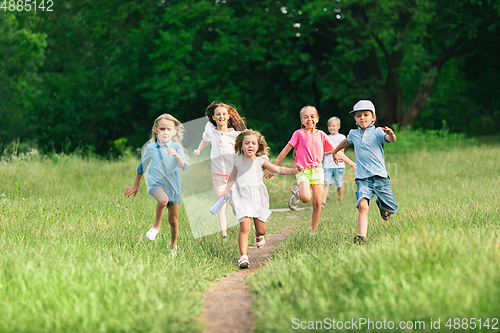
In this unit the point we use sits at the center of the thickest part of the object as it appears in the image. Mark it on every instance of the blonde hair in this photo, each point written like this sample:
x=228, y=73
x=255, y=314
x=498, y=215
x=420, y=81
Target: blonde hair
x=333, y=120
x=309, y=107
x=178, y=126
x=238, y=143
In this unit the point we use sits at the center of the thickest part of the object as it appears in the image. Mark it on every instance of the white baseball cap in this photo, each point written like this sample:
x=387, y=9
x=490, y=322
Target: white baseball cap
x=363, y=105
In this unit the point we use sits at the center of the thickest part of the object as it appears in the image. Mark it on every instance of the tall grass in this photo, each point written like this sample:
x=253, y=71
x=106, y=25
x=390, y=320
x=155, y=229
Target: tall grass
x=74, y=257
x=438, y=257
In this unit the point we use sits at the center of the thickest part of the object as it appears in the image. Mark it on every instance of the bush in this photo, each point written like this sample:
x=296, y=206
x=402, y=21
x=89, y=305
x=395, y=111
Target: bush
x=410, y=140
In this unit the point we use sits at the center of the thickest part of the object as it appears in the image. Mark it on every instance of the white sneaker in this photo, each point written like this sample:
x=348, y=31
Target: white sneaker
x=244, y=262
x=293, y=202
x=151, y=234
x=173, y=251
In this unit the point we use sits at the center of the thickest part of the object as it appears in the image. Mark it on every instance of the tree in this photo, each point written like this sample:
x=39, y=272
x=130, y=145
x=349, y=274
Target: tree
x=21, y=54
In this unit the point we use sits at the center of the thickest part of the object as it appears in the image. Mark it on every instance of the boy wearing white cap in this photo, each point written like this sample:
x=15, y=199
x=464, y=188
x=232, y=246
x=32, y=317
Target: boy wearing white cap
x=371, y=176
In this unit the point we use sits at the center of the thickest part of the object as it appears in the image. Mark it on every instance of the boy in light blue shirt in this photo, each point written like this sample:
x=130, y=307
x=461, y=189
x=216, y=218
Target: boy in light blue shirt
x=371, y=176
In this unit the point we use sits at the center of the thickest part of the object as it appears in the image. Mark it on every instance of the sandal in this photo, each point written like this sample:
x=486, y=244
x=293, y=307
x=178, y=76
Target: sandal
x=259, y=243
x=360, y=240
x=244, y=262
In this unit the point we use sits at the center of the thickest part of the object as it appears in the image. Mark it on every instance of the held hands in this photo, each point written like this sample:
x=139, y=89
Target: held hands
x=336, y=159
x=269, y=175
x=298, y=169
x=196, y=152
x=131, y=190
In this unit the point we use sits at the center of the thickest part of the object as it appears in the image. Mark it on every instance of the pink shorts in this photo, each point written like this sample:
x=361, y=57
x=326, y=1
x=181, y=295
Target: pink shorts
x=219, y=180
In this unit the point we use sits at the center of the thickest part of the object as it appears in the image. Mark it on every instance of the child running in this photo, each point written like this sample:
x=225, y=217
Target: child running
x=331, y=170
x=251, y=200
x=221, y=131
x=310, y=144
x=371, y=176
x=163, y=158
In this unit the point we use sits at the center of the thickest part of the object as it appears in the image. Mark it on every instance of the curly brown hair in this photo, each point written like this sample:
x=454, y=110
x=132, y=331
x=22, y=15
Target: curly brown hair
x=235, y=120
x=238, y=143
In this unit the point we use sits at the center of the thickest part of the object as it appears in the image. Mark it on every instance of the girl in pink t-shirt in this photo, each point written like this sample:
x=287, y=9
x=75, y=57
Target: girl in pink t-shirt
x=310, y=144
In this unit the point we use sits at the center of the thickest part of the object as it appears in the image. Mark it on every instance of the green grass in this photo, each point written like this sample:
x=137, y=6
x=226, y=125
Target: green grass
x=74, y=257
x=438, y=257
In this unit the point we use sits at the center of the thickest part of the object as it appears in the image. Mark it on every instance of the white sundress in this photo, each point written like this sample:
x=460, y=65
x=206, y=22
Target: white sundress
x=250, y=197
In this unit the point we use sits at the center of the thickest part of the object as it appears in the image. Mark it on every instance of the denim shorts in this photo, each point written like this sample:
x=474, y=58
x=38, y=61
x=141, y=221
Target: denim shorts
x=369, y=187
x=334, y=173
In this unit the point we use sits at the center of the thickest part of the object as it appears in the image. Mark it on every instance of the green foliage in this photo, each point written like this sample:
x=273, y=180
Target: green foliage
x=21, y=54
x=413, y=140
x=94, y=72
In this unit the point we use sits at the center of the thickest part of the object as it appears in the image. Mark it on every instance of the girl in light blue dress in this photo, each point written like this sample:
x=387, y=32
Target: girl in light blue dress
x=163, y=159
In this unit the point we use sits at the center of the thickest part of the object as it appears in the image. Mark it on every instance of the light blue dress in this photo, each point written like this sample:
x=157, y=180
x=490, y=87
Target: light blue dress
x=163, y=171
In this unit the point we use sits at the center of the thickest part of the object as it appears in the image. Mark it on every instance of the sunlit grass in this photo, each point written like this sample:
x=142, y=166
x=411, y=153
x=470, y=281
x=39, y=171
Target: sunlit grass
x=74, y=257
x=438, y=257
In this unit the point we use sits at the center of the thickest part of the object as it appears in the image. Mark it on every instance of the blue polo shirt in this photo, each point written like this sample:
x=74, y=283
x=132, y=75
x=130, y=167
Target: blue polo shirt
x=369, y=151
x=163, y=170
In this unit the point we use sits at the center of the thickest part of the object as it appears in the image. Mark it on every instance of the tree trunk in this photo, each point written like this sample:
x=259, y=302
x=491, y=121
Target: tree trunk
x=420, y=101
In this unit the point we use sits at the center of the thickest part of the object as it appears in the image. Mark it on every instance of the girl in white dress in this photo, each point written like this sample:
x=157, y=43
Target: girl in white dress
x=250, y=197
x=224, y=125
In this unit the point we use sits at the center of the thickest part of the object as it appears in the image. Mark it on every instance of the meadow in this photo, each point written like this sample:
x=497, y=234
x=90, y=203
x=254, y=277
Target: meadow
x=74, y=257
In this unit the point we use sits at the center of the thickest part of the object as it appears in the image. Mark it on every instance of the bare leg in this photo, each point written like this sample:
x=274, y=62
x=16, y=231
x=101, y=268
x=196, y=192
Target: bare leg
x=317, y=197
x=325, y=193
x=173, y=219
x=340, y=191
x=363, y=209
x=162, y=199
x=304, y=192
x=245, y=227
x=221, y=214
x=260, y=227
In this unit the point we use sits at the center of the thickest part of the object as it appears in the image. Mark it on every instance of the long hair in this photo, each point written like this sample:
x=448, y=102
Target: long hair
x=178, y=126
x=238, y=143
x=305, y=108
x=235, y=120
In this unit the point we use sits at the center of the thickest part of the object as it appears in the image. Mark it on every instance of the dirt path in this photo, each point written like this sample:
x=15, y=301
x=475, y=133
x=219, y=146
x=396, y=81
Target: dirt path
x=228, y=303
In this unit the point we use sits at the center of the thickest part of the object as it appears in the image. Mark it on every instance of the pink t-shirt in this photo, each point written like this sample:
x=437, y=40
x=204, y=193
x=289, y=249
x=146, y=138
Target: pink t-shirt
x=309, y=147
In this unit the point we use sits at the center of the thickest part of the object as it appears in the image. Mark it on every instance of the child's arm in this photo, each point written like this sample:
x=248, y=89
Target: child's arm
x=178, y=157
x=230, y=182
x=269, y=174
x=281, y=170
x=341, y=146
x=346, y=159
x=134, y=188
x=202, y=145
x=390, y=136
x=145, y=160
